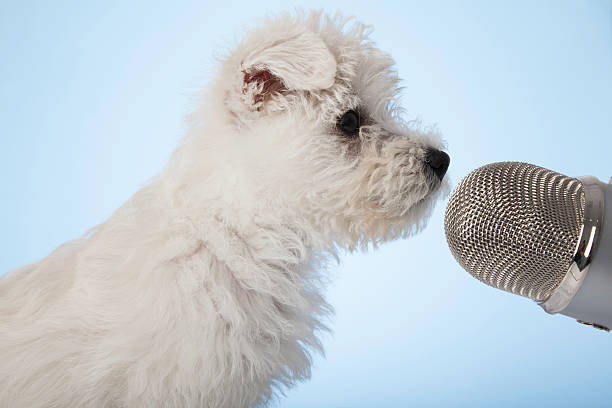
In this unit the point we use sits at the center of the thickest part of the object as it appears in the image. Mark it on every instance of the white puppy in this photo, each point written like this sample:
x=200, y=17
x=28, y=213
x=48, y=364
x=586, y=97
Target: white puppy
x=204, y=289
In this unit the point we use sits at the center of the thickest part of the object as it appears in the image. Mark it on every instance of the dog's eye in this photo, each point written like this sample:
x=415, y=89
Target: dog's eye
x=349, y=123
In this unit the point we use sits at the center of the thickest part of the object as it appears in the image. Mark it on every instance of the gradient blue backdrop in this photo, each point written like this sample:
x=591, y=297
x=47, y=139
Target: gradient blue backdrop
x=91, y=104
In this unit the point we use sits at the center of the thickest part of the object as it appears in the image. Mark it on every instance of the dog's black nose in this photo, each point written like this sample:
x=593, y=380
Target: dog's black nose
x=438, y=161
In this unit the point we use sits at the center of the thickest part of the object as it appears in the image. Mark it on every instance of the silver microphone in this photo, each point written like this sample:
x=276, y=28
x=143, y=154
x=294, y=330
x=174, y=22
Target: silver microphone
x=539, y=234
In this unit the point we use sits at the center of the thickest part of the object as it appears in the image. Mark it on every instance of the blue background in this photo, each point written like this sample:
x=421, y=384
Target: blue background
x=91, y=104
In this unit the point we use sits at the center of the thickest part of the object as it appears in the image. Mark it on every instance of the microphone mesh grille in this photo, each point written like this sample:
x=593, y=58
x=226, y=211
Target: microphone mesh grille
x=515, y=226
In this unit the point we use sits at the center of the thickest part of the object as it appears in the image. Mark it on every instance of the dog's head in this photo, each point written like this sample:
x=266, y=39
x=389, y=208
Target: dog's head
x=307, y=109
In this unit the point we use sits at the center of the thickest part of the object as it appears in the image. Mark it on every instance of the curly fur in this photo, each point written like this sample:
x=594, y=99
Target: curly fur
x=205, y=288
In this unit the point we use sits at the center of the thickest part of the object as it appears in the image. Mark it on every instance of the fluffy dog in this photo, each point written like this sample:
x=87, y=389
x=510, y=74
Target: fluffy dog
x=205, y=288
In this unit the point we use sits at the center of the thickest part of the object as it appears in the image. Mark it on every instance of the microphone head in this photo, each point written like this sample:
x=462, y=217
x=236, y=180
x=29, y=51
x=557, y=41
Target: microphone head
x=516, y=226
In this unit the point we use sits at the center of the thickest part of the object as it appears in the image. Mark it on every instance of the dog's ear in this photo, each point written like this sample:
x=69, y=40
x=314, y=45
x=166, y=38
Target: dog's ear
x=298, y=63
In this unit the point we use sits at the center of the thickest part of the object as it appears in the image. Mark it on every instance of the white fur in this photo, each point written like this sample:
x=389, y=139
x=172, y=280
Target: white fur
x=204, y=289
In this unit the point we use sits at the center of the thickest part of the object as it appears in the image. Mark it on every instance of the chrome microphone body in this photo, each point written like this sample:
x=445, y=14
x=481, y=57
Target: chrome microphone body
x=591, y=302
x=539, y=234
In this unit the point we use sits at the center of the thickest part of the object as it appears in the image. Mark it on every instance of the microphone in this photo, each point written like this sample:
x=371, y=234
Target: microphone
x=539, y=234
